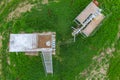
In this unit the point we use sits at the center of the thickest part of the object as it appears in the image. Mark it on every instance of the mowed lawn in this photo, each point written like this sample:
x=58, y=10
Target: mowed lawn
x=71, y=58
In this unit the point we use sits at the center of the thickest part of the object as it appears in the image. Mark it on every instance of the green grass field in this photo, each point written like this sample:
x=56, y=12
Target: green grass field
x=72, y=58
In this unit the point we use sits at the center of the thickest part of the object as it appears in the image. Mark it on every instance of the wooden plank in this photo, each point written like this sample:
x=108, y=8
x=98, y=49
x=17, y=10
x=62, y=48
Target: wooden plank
x=31, y=53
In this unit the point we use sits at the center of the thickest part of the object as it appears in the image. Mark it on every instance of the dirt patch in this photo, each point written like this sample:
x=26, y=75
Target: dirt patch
x=47, y=1
x=109, y=51
x=8, y=60
x=56, y=1
x=32, y=53
x=22, y=8
x=100, y=64
x=98, y=69
x=118, y=34
x=0, y=41
x=44, y=1
x=1, y=3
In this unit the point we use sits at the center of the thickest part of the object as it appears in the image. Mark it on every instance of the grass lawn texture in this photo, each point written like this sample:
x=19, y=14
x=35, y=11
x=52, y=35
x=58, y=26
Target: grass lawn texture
x=71, y=58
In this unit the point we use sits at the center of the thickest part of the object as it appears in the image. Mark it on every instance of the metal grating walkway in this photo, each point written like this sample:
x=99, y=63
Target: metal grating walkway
x=47, y=61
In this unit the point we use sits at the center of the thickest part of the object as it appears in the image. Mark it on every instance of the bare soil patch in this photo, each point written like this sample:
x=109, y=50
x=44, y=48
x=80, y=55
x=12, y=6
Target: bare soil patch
x=56, y=1
x=8, y=60
x=47, y=1
x=100, y=64
x=22, y=8
x=44, y=1
x=32, y=53
x=98, y=68
x=1, y=3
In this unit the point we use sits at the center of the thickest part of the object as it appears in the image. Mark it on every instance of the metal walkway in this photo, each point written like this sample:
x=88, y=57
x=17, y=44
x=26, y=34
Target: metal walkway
x=47, y=61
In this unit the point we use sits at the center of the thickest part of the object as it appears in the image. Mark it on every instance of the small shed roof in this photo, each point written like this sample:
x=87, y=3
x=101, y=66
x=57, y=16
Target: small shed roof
x=88, y=20
x=90, y=9
x=93, y=25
